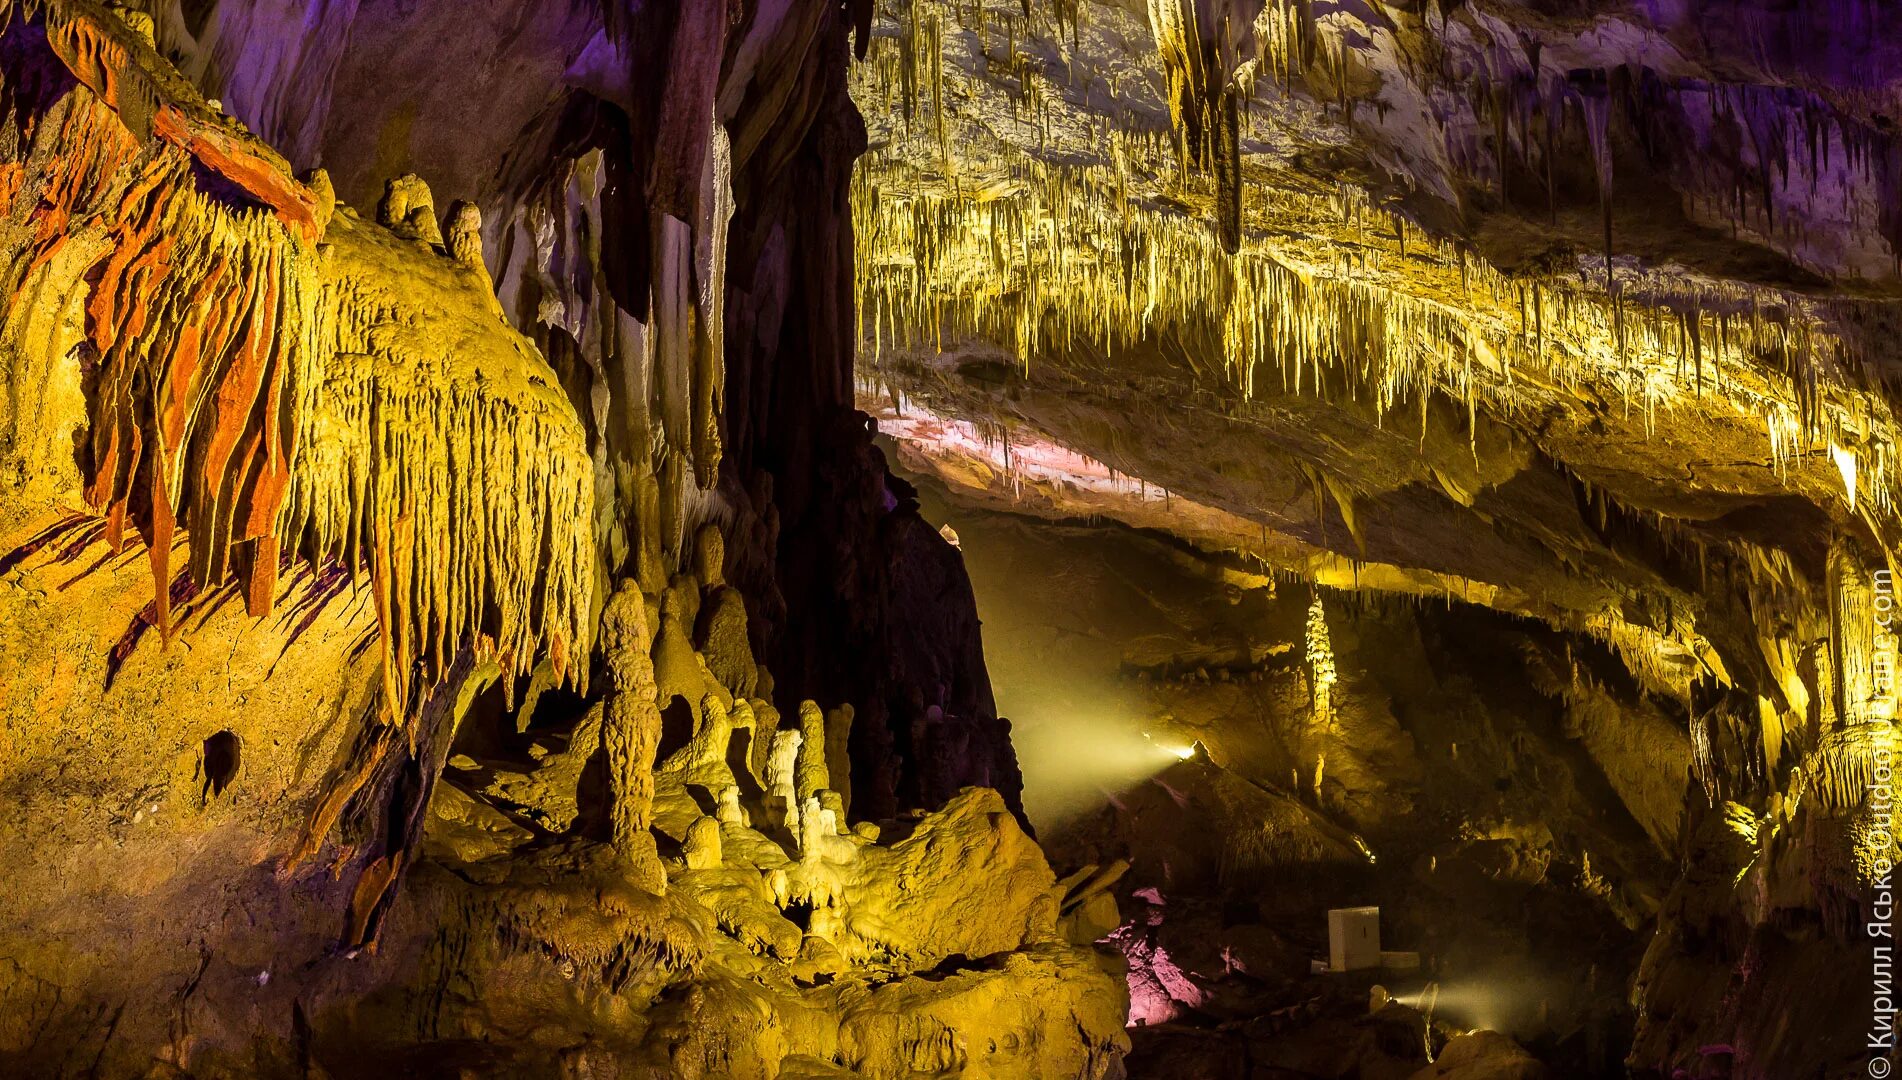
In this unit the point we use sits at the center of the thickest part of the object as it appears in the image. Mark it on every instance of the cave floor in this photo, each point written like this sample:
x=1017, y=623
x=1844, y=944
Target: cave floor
x=1162, y=709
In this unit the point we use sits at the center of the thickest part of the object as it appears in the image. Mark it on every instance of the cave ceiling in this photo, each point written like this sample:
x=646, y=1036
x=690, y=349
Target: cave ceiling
x=1583, y=311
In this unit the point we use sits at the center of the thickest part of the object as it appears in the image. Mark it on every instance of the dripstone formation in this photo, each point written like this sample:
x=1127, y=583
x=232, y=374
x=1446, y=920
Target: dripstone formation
x=458, y=618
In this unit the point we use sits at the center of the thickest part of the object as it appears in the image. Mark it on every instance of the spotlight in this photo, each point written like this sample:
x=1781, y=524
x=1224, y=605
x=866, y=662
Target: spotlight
x=1183, y=752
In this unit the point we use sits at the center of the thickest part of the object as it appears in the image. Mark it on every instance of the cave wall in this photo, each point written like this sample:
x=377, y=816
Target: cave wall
x=570, y=168
x=304, y=460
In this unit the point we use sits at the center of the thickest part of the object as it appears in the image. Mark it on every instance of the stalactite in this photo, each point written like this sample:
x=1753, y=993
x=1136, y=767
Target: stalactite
x=709, y=363
x=464, y=435
x=1703, y=759
x=933, y=265
x=1204, y=100
x=1044, y=256
x=1862, y=645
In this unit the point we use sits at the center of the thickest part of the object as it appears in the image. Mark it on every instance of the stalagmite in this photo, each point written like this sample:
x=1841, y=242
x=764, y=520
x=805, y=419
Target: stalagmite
x=702, y=848
x=721, y=620
x=809, y=765
x=322, y=483
x=730, y=812
x=782, y=793
x=703, y=760
x=323, y=196
x=1321, y=674
x=709, y=556
x=465, y=238
x=631, y=727
x=409, y=210
x=819, y=834
x=678, y=669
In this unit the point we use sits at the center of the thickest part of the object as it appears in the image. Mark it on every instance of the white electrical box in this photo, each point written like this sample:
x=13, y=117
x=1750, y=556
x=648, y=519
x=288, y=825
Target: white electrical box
x=1353, y=938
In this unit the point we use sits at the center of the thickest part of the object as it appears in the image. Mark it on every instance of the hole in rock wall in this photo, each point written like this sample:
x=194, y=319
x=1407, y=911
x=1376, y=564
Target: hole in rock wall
x=220, y=763
x=498, y=725
x=799, y=913
x=1079, y=620
x=485, y=728
x=676, y=727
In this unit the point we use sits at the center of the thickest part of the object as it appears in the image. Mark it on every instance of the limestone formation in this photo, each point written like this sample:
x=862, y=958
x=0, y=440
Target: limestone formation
x=631, y=725
x=703, y=760
x=722, y=639
x=730, y=812
x=548, y=794
x=838, y=758
x=679, y=670
x=709, y=556
x=465, y=237
x=819, y=838
x=409, y=210
x=1436, y=455
x=1202, y=47
x=782, y=793
x=1087, y=906
x=810, y=775
x=702, y=847
x=324, y=197
x=1321, y=674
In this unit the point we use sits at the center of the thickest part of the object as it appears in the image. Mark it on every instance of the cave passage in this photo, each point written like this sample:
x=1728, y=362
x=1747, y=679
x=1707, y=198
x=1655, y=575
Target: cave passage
x=1075, y=616
x=986, y=539
x=1164, y=704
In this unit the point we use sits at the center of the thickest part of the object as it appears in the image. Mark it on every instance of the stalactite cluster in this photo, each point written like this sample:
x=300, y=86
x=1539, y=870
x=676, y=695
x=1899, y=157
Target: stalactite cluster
x=1203, y=47
x=657, y=359
x=1329, y=291
x=266, y=396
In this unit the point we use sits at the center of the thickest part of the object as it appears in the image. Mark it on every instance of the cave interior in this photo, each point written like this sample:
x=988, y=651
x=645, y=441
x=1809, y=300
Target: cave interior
x=1203, y=539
